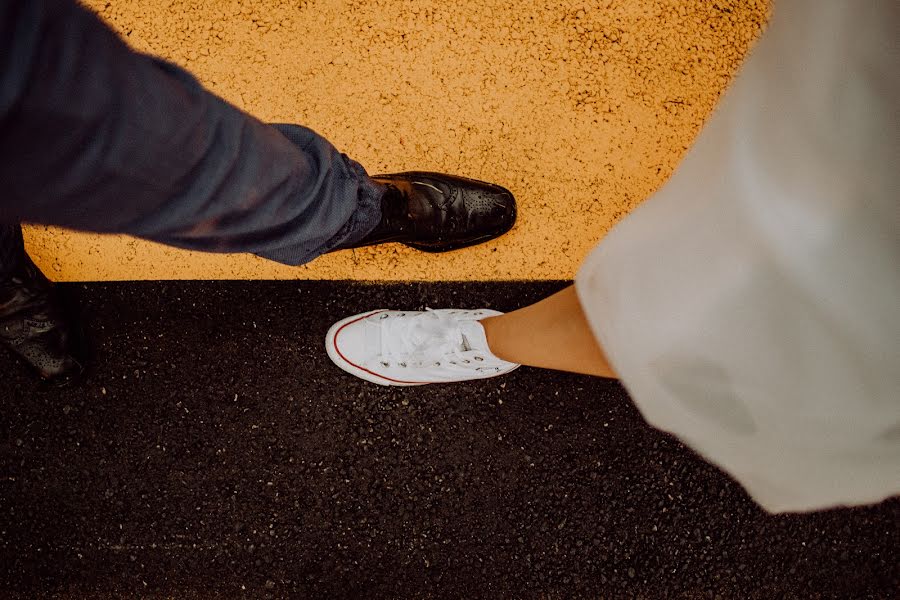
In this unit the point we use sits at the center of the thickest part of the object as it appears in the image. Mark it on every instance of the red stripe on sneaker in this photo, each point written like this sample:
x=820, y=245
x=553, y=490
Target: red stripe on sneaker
x=379, y=375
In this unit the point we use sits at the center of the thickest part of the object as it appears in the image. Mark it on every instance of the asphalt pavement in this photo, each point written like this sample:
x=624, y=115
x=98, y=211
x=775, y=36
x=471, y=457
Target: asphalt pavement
x=213, y=451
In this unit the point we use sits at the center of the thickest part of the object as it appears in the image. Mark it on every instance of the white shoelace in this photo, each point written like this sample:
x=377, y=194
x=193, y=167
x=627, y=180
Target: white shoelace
x=428, y=338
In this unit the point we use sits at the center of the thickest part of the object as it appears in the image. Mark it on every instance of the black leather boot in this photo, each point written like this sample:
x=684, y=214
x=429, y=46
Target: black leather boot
x=436, y=213
x=32, y=324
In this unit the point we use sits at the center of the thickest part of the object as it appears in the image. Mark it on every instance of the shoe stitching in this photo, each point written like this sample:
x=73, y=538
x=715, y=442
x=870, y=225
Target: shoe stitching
x=361, y=368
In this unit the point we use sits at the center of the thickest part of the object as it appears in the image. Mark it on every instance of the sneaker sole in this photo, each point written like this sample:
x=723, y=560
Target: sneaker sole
x=341, y=361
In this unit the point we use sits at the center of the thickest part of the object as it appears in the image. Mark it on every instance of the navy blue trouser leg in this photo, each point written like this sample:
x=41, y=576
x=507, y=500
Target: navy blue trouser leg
x=96, y=137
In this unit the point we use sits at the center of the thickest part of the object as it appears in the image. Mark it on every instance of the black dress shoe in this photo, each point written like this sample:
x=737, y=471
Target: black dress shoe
x=32, y=324
x=437, y=213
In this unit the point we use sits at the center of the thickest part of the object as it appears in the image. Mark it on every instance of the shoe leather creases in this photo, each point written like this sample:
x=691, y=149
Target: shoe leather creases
x=436, y=213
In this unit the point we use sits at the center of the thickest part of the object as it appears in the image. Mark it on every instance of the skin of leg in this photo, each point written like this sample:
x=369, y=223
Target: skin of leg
x=551, y=334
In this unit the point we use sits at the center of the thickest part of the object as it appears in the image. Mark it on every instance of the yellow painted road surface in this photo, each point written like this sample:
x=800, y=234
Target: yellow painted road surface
x=581, y=108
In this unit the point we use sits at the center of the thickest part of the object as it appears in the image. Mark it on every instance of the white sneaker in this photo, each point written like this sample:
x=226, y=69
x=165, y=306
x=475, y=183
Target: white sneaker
x=392, y=347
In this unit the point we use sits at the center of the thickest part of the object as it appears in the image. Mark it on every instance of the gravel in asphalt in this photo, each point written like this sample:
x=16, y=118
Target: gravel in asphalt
x=213, y=451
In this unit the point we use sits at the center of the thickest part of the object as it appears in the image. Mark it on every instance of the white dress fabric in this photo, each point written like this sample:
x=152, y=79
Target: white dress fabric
x=752, y=305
